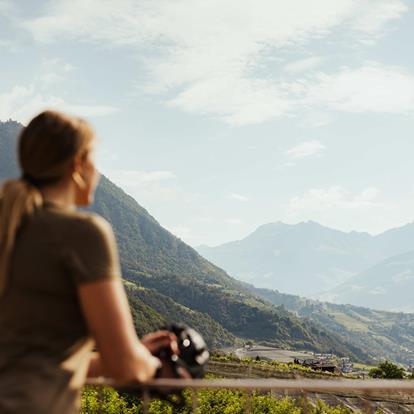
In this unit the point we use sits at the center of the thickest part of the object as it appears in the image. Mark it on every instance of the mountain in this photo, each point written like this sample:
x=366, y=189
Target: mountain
x=306, y=258
x=393, y=242
x=170, y=280
x=388, y=335
x=151, y=310
x=388, y=285
x=8, y=132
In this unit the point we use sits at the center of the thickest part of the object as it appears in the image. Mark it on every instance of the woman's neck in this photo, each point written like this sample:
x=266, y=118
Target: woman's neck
x=59, y=194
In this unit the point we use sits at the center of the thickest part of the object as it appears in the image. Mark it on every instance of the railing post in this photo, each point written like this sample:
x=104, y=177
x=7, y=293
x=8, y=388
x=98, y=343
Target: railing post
x=100, y=399
x=194, y=401
x=305, y=402
x=145, y=400
x=248, y=407
x=368, y=404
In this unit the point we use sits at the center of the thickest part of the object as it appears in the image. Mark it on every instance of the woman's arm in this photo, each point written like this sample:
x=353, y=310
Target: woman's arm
x=122, y=355
x=96, y=367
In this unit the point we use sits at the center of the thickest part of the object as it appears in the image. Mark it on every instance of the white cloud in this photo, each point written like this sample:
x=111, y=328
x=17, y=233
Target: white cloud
x=6, y=8
x=216, y=220
x=403, y=276
x=338, y=207
x=204, y=220
x=182, y=232
x=139, y=178
x=189, y=22
x=21, y=103
x=205, y=53
x=238, y=197
x=4, y=43
x=373, y=17
x=234, y=100
x=54, y=71
x=319, y=200
x=233, y=221
x=303, y=65
x=148, y=187
x=379, y=290
x=86, y=110
x=56, y=63
x=370, y=88
x=106, y=154
x=305, y=149
x=356, y=288
x=50, y=78
x=316, y=118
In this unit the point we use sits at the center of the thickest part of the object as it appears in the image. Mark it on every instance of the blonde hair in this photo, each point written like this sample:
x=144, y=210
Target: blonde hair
x=46, y=150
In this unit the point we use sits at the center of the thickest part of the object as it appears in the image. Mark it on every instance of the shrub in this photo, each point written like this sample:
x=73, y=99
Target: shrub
x=387, y=370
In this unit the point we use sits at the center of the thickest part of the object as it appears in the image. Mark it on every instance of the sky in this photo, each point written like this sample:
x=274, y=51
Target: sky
x=220, y=116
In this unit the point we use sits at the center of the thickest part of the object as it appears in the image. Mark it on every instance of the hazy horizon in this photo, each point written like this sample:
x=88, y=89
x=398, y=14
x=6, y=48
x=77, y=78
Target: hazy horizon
x=305, y=222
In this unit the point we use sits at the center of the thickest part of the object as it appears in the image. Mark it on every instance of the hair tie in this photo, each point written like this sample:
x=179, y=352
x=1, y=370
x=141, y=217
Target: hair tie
x=29, y=179
x=38, y=181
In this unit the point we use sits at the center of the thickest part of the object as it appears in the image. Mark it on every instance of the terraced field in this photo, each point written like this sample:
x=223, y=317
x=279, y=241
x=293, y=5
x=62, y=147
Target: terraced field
x=274, y=354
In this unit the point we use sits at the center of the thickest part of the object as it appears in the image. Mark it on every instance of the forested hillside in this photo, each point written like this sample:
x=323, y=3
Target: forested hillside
x=388, y=335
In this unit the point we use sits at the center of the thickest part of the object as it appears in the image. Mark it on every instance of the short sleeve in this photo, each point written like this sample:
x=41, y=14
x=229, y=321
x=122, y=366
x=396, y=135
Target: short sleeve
x=93, y=254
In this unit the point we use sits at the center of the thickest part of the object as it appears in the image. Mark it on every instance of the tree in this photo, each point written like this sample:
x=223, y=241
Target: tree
x=387, y=370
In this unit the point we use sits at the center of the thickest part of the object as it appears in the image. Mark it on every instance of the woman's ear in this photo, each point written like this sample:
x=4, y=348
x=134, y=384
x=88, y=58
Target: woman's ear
x=85, y=177
x=79, y=181
x=76, y=165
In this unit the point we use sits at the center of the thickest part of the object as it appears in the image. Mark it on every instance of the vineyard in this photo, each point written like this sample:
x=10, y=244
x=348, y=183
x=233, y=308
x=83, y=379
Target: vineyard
x=224, y=401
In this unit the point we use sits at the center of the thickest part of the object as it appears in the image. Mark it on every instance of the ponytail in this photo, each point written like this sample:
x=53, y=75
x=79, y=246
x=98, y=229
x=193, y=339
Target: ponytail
x=46, y=148
x=18, y=199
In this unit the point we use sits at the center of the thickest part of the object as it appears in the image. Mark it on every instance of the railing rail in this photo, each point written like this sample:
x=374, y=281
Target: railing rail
x=268, y=384
x=401, y=391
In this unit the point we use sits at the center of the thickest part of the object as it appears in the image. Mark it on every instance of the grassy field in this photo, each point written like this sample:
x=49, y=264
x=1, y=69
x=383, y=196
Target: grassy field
x=275, y=354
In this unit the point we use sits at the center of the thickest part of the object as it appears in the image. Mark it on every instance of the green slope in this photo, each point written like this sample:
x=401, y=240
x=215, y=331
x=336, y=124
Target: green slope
x=215, y=335
x=388, y=335
x=145, y=246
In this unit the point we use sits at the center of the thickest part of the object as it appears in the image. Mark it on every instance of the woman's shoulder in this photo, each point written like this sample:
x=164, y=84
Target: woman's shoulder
x=83, y=224
x=87, y=244
x=93, y=222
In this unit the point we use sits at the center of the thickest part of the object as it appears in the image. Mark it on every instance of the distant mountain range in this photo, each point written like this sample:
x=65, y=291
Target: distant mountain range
x=312, y=260
x=388, y=285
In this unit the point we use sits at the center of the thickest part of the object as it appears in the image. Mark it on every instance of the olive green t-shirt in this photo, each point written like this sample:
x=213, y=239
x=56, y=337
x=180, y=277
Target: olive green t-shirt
x=44, y=341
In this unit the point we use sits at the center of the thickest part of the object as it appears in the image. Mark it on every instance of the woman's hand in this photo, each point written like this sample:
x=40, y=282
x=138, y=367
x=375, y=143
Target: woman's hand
x=155, y=341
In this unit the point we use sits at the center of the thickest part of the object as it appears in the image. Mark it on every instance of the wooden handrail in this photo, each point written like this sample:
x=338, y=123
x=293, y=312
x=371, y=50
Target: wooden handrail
x=268, y=384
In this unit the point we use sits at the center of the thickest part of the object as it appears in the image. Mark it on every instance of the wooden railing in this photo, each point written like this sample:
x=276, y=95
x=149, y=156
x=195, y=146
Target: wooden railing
x=369, y=392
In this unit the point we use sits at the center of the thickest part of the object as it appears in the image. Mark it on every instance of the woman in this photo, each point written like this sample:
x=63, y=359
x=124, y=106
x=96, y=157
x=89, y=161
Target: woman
x=60, y=282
